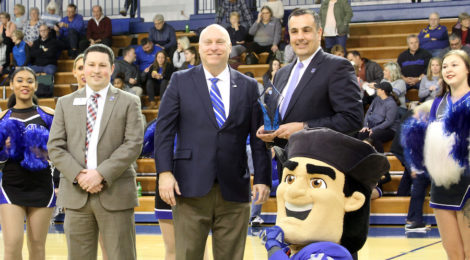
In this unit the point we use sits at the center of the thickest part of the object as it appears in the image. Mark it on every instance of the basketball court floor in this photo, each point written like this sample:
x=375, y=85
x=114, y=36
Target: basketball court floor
x=384, y=242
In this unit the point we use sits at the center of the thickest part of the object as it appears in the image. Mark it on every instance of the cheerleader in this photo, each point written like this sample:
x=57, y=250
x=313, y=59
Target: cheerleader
x=26, y=188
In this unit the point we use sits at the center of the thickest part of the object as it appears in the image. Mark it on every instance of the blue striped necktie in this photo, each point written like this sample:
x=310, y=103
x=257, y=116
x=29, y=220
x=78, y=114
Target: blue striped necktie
x=217, y=102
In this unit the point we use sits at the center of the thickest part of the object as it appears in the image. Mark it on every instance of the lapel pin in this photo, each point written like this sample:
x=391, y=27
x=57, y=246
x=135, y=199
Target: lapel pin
x=111, y=98
x=313, y=70
x=234, y=86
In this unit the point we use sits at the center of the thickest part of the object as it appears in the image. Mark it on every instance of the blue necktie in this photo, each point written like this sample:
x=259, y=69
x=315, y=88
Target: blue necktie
x=291, y=88
x=217, y=102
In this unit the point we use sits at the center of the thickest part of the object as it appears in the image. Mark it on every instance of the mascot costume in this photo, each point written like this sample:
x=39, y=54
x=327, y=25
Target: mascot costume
x=323, y=199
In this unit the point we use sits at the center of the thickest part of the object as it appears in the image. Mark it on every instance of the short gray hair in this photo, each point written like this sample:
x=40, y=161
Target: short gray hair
x=158, y=17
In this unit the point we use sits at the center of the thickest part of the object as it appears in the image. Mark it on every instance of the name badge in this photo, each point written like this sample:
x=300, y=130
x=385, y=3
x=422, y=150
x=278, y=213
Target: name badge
x=79, y=101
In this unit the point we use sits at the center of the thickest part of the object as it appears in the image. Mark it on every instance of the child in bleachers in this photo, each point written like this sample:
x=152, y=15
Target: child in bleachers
x=119, y=82
x=21, y=52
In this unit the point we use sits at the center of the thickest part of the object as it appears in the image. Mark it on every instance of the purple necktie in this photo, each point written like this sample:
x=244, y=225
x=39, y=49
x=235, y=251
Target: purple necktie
x=291, y=88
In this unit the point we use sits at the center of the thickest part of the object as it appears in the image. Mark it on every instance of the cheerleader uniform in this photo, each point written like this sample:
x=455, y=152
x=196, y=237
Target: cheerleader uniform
x=20, y=186
x=455, y=196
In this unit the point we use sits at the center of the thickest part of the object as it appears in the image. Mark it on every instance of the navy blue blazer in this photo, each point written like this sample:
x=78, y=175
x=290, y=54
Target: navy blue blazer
x=327, y=95
x=204, y=152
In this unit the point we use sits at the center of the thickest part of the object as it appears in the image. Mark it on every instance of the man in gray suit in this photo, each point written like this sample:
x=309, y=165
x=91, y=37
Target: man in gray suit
x=96, y=135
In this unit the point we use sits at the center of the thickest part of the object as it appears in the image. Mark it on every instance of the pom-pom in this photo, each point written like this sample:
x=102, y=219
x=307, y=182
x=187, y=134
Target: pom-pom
x=457, y=120
x=149, y=136
x=3, y=149
x=35, y=153
x=412, y=137
x=13, y=129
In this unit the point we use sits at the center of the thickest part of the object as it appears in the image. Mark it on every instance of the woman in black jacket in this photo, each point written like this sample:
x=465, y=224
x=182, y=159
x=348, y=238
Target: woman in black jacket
x=157, y=77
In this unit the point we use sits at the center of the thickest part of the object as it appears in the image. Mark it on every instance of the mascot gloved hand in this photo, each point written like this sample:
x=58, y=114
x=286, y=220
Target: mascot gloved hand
x=323, y=199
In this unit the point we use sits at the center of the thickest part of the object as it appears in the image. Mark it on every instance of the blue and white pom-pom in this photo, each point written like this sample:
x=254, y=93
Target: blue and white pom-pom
x=412, y=139
x=35, y=138
x=149, y=137
x=14, y=130
x=457, y=121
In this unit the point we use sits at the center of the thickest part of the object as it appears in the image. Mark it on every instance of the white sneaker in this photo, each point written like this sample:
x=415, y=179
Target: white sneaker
x=256, y=221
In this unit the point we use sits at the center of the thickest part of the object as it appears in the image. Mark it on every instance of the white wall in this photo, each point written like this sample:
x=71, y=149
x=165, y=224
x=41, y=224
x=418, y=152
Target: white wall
x=170, y=9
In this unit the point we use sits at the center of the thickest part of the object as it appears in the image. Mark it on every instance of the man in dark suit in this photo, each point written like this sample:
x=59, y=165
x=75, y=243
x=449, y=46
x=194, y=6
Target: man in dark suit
x=319, y=89
x=212, y=109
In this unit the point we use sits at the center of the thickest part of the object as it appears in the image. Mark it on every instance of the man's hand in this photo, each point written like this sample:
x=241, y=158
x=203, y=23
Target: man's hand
x=274, y=48
x=89, y=180
x=260, y=193
x=286, y=130
x=167, y=186
x=132, y=81
x=364, y=129
x=265, y=136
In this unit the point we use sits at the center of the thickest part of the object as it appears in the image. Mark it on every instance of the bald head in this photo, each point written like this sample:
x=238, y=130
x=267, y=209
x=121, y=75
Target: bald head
x=214, y=48
x=214, y=28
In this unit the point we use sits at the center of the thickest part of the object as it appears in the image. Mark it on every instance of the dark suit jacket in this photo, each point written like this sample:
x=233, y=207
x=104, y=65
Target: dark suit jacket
x=204, y=152
x=327, y=95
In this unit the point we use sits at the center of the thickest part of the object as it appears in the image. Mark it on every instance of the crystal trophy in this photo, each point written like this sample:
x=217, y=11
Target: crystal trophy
x=270, y=101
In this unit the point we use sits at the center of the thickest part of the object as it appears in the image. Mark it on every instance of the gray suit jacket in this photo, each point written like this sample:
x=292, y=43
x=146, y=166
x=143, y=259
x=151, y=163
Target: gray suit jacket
x=119, y=145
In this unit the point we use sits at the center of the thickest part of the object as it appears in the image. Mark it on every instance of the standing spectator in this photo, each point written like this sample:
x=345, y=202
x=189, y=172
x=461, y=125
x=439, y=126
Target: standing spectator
x=462, y=32
x=182, y=43
x=52, y=16
x=335, y=18
x=98, y=188
x=70, y=30
x=163, y=35
x=237, y=34
x=413, y=62
x=21, y=51
x=25, y=192
x=434, y=37
x=455, y=43
x=99, y=30
x=208, y=166
x=380, y=121
x=392, y=74
x=192, y=58
x=132, y=4
x=4, y=58
x=338, y=50
x=145, y=54
x=157, y=77
x=430, y=85
x=7, y=28
x=44, y=52
x=268, y=77
x=130, y=70
x=19, y=16
x=31, y=27
x=277, y=7
x=267, y=33
x=226, y=7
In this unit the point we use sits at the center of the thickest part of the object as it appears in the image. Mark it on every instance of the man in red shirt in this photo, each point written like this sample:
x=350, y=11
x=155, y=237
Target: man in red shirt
x=99, y=29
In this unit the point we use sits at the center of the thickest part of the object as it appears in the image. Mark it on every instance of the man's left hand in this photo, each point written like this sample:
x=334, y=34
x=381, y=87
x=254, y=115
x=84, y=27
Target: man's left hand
x=90, y=180
x=286, y=130
x=260, y=193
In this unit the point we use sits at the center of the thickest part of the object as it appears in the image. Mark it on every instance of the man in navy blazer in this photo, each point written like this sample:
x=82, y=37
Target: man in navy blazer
x=207, y=169
x=326, y=93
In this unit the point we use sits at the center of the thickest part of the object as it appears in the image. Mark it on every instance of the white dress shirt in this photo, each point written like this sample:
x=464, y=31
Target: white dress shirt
x=223, y=84
x=301, y=73
x=92, y=158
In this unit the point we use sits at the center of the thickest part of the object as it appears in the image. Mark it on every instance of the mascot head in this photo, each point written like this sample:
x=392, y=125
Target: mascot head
x=324, y=193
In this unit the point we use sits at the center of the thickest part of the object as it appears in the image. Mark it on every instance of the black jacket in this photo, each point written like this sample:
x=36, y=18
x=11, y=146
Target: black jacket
x=45, y=52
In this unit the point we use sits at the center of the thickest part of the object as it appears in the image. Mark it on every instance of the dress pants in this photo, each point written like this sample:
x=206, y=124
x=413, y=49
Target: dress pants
x=195, y=217
x=117, y=229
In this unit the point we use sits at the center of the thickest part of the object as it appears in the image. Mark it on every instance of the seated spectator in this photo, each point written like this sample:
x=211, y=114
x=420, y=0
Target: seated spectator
x=434, y=37
x=157, y=77
x=392, y=74
x=369, y=72
x=19, y=17
x=178, y=56
x=145, y=54
x=4, y=58
x=267, y=33
x=51, y=17
x=21, y=52
x=338, y=50
x=44, y=52
x=268, y=77
x=462, y=31
x=130, y=70
x=455, y=43
x=70, y=30
x=335, y=17
x=31, y=27
x=7, y=28
x=99, y=30
x=237, y=34
x=192, y=58
x=226, y=7
x=277, y=7
x=430, y=85
x=380, y=121
x=163, y=35
x=120, y=83
x=413, y=62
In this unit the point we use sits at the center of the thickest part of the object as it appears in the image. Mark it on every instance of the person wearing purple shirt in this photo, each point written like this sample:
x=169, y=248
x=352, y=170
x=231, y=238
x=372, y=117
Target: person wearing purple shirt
x=434, y=37
x=70, y=30
x=145, y=54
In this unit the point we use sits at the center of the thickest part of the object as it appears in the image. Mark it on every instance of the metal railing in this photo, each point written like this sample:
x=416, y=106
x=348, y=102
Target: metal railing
x=84, y=7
